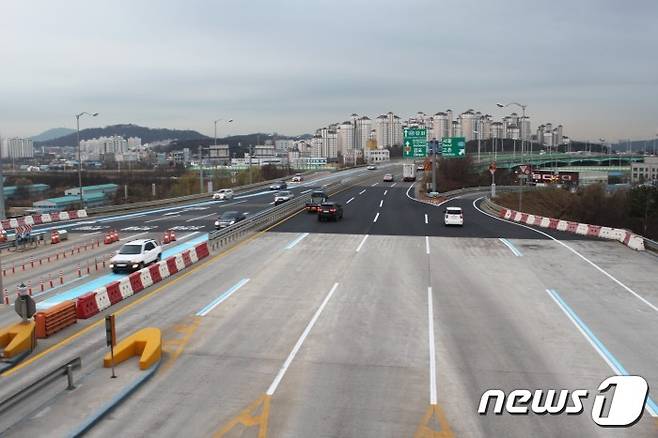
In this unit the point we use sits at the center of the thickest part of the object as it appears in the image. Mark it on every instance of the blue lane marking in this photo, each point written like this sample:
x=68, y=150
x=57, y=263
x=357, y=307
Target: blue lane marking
x=296, y=241
x=217, y=301
x=109, y=278
x=618, y=368
x=511, y=246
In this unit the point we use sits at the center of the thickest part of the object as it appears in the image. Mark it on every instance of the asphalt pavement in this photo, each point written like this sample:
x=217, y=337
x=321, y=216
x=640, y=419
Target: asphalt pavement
x=385, y=324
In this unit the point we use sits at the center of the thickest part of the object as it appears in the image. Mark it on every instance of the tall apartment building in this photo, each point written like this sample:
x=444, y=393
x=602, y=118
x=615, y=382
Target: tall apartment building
x=345, y=137
x=440, y=126
x=497, y=130
x=362, y=128
x=388, y=130
x=96, y=148
x=17, y=148
x=468, y=120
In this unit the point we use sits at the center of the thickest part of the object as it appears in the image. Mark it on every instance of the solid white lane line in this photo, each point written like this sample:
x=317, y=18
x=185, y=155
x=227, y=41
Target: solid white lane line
x=381, y=203
x=597, y=267
x=430, y=320
x=223, y=297
x=376, y=217
x=374, y=184
x=427, y=245
x=305, y=191
x=393, y=185
x=299, y=343
x=426, y=221
x=358, y=248
x=511, y=246
x=296, y=241
x=349, y=200
x=385, y=192
x=608, y=357
x=133, y=236
x=362, y=192
x=200, y=217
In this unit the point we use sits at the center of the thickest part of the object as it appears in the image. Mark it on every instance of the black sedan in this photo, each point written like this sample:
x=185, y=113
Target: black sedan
x=330, y=211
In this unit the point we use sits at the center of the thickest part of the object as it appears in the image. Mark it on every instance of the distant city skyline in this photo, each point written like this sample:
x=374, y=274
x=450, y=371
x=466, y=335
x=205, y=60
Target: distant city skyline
x=181, y=65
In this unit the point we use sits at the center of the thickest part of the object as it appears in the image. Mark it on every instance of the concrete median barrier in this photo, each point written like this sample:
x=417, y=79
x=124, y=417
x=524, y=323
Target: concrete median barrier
x=628, y=238
x=100, y=299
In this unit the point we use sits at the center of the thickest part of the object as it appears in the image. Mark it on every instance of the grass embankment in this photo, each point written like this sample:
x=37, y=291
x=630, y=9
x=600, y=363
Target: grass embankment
x=635, y=209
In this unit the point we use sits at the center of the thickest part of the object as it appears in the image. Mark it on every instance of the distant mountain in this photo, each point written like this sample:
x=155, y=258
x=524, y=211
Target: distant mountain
x=52, y=134
x=147, y=135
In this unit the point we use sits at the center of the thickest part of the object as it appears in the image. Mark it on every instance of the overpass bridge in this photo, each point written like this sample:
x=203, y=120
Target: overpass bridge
x=601, y=162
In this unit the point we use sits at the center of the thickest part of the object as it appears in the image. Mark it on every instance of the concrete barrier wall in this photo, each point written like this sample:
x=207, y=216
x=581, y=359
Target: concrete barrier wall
x=628, y=238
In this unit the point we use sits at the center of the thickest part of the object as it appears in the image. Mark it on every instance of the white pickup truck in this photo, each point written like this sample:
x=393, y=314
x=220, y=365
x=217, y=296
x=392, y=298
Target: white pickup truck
x=135, y=255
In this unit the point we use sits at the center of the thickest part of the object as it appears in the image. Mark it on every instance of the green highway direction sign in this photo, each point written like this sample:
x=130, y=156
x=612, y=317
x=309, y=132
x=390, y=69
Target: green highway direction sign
x=414, y=144
x=453, y=147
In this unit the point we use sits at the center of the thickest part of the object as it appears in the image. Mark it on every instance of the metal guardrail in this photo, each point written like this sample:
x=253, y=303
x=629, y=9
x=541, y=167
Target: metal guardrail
x=64, y=370
x=220, y=239
x=169, y=201
x=182, y=199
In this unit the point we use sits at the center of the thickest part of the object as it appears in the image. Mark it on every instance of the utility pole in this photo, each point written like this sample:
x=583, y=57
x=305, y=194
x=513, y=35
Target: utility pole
x=434, y=165
x=200, y=169
x=2, y=194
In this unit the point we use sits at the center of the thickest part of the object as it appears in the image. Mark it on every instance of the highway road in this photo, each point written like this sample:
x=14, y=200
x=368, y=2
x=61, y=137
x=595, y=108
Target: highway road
x=385, y=324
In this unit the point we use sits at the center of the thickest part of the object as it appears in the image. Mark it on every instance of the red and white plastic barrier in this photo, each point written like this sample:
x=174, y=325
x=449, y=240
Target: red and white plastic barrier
x=100, y=299
x=628, y=238
x=38, y=219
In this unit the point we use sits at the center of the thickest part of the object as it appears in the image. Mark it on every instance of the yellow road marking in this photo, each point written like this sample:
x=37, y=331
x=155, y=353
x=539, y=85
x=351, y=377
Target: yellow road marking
x=250, y=418
x=187, y=330
x=434, y=424
x=143, y=298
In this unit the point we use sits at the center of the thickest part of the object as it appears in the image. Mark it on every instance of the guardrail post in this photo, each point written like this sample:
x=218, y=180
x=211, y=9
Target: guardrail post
x=69, y=377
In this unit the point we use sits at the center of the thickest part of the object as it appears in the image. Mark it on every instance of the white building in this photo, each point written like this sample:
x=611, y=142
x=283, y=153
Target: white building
x=645, y=172
x=362, y=128
x=96, y=148
x=377, y=155
x=134, y=143
x=441, y=126
x=467, y=121
x=283, y=145
x=17, y=148
x=345, y=137
x=388, y=130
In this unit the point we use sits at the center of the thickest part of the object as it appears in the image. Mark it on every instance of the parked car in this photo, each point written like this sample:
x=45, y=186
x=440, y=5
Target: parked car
x=453, y=216
x=388, y=177
x=223, y=194
x=135, y=255
x=330, y=211
x=229, y=218
x=283, y=196
x=279, y=185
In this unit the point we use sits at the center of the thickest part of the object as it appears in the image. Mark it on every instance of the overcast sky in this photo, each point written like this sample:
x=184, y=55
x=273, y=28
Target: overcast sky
x=296, y=65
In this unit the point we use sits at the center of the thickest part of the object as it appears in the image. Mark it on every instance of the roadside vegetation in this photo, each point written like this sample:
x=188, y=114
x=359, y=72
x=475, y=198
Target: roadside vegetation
x=635, y=209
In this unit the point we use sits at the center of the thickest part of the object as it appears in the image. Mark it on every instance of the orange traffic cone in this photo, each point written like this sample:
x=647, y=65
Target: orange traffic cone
x=165, y=238
x=108, y=238
x=54, y=236
x=172, y=236
x=115, y=234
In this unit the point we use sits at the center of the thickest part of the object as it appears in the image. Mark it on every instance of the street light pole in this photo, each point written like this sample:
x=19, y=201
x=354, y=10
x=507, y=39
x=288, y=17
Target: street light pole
x=77, y=126
x=523, y=107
